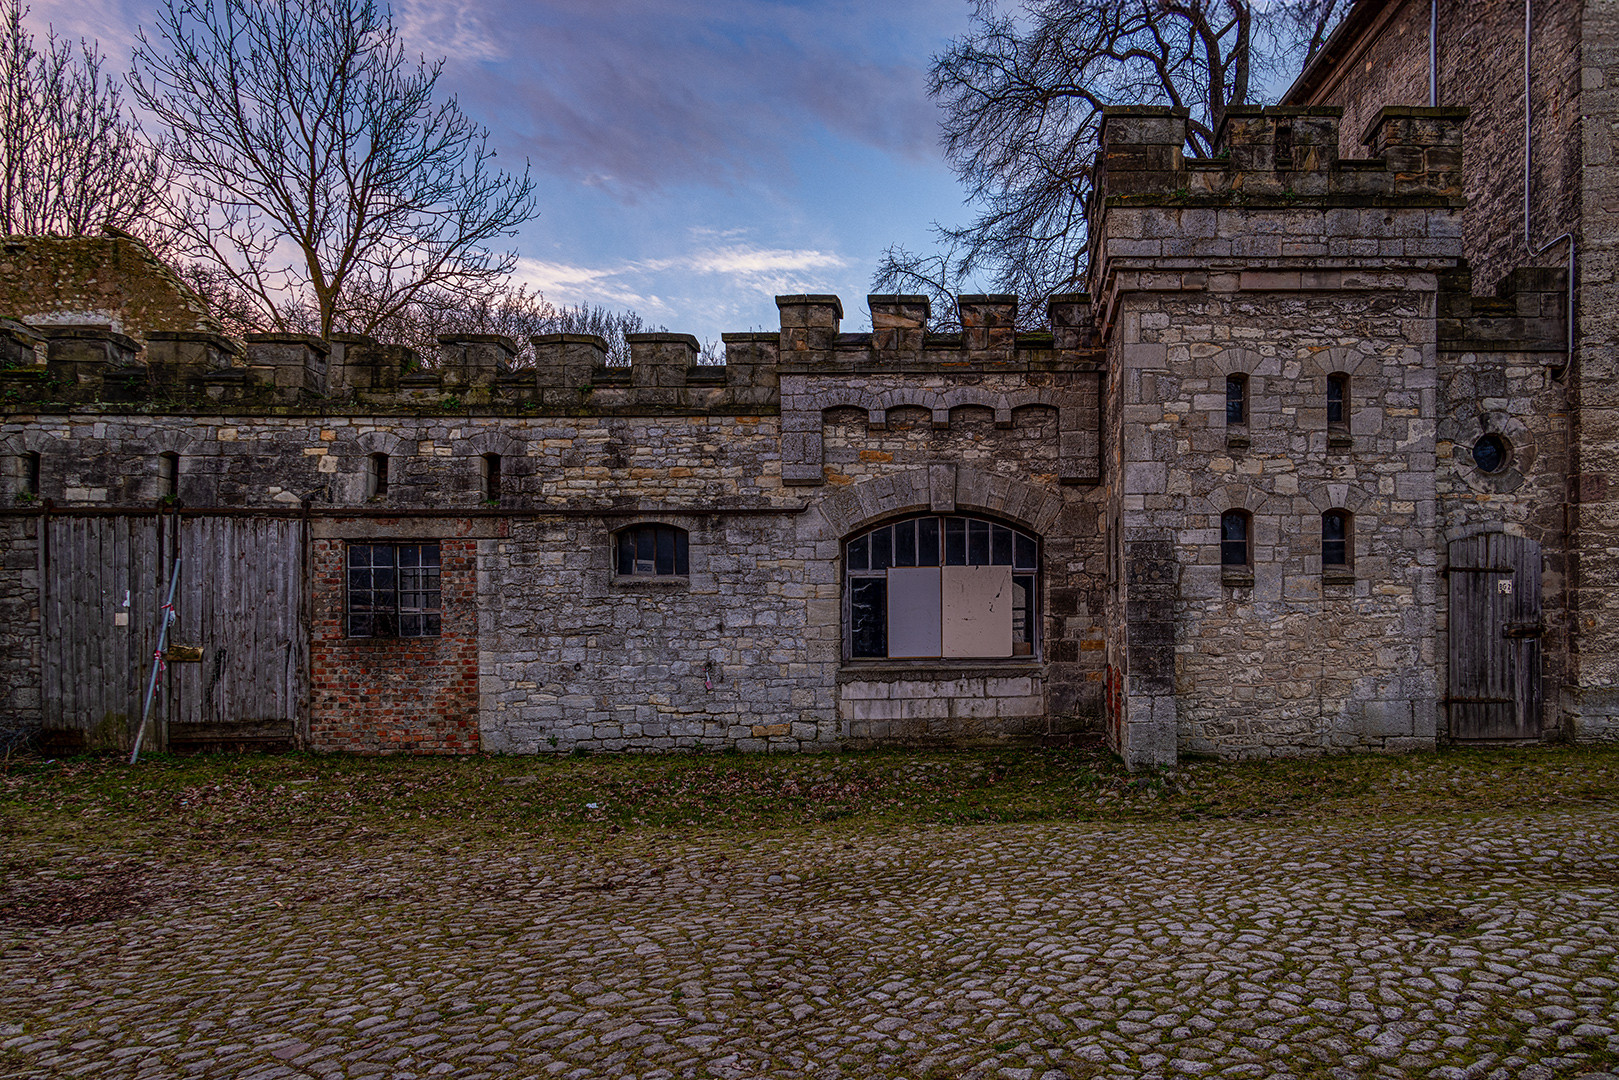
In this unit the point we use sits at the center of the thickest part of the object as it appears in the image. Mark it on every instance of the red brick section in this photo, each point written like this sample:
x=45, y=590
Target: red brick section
x=395, y=695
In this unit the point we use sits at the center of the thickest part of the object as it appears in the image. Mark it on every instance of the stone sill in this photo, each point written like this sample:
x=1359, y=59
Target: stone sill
x=1237, y=579
x=1237, y=442
x=1337, y=440
x=651, y=581
x=934, y=670
x=1338, y=577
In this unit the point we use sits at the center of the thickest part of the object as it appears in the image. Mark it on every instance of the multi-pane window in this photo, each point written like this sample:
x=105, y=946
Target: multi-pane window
x=941, y=586
x=1337, y=400
x=1335, y=539
x=652, y=551
x=1236, y=400
x=393, y=590
x=1234, y=538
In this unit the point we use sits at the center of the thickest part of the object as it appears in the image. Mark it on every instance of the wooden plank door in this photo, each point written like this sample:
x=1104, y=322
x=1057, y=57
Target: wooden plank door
x=1496, y=624
x=241, y=601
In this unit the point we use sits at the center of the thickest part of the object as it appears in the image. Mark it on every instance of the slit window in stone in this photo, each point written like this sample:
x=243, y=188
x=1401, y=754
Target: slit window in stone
x=1337, y=399
x=30, y=473
x=376, y=476
x=1236, y=400
x=393, y=590
x=490, y=467
x=168, y=474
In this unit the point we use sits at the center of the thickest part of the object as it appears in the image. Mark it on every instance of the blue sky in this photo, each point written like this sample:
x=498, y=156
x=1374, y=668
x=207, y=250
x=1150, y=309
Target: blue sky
x=693, y=158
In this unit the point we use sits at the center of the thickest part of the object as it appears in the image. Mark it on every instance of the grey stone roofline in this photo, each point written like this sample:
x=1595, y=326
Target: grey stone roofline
x=88, y=369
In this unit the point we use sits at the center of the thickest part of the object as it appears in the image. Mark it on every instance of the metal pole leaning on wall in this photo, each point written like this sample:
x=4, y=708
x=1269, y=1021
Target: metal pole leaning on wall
x=157, y=660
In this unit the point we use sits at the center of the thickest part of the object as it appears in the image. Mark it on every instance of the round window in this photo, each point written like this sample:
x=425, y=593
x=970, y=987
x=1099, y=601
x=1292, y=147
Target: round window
x=1490, y=453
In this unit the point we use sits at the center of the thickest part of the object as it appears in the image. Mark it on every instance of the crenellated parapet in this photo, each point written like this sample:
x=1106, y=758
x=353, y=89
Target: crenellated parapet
x=76, y=368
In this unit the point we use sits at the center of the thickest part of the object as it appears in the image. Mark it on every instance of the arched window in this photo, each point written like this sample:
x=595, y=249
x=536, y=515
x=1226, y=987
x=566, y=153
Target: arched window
x=376, y=476
x=1235, y=535
x=1338, y=400
x=1236, y=400
x=489, y=465
x=651, y=551
x=168, y=474
x=941, y=586
x=1336, y=551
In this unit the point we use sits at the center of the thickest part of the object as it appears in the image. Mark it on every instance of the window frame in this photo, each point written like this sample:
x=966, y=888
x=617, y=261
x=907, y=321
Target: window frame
x=1345, y=544
x=678, y=552
x=1338, y=393
x=1240, y=382
x=1237, y=515
x=949, y=547
x=393, y=618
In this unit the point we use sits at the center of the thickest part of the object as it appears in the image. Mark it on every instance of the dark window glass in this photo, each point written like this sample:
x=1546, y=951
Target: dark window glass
x=977, y=543
x=860, y=553
x=1236, y=400
x=652, y=551
x=1234, y=538
x=1026, y=554
x=927, y=541
x=882, y=548
x=1001, y=546
x=1334, y=538
x=955, y=541
x=1490, y=453
x=30, y=472
x=1337, y=398
x=868, y=616
x=905, y=543
x=393, y=590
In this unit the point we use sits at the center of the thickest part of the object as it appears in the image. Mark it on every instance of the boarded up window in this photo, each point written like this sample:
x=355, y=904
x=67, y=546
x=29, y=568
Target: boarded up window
x=941, y=587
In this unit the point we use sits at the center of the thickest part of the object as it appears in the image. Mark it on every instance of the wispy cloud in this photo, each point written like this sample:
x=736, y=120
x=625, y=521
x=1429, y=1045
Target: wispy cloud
x=633, y=283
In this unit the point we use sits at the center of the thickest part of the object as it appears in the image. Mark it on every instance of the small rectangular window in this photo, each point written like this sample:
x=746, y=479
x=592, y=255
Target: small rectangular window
x=1234, y=538
x=376, y=476
x=30, y=473
x=491, y=478
x=393, y=590
x=168, y=472
x=1337, y=399
x=1236, y=400
x=1335, y=539
x=651, y=551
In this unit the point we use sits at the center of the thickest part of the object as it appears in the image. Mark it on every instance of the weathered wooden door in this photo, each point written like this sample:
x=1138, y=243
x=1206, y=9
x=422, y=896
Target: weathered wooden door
x=1495, y=629
x=240, y=600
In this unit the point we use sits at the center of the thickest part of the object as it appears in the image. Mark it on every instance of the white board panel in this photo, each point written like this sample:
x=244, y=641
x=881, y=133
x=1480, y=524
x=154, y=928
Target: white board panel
x=913, y=611
x=976, y=613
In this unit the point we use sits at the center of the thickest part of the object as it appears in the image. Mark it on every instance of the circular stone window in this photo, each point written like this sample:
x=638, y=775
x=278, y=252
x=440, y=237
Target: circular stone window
x=1490, y=453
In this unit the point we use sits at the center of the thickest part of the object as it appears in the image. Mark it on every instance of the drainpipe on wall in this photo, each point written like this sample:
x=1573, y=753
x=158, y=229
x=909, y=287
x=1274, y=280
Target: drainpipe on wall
x=1433, y=54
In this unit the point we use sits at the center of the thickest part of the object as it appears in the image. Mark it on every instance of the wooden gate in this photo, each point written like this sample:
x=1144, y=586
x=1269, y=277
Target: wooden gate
x=1495, y=629
x=237, y=668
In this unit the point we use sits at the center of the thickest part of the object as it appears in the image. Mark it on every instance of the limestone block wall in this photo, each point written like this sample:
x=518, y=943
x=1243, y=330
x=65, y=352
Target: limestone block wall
x=1592, y=705
x=20, y=628
x=1286, y=655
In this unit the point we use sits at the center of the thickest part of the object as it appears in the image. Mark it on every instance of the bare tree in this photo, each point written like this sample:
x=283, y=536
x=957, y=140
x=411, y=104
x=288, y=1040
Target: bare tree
x=316, y=170
x=72, y=160
x=1022, y=95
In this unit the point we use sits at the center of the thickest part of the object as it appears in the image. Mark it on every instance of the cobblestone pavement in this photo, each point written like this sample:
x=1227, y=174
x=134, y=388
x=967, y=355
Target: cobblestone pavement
x=1443, y=947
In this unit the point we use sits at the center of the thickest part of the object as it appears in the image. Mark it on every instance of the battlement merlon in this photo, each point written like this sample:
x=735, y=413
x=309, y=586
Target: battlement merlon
x=1275, y=199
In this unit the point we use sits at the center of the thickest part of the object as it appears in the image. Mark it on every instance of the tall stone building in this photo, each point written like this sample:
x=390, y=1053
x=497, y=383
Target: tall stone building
x=1282, y=481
